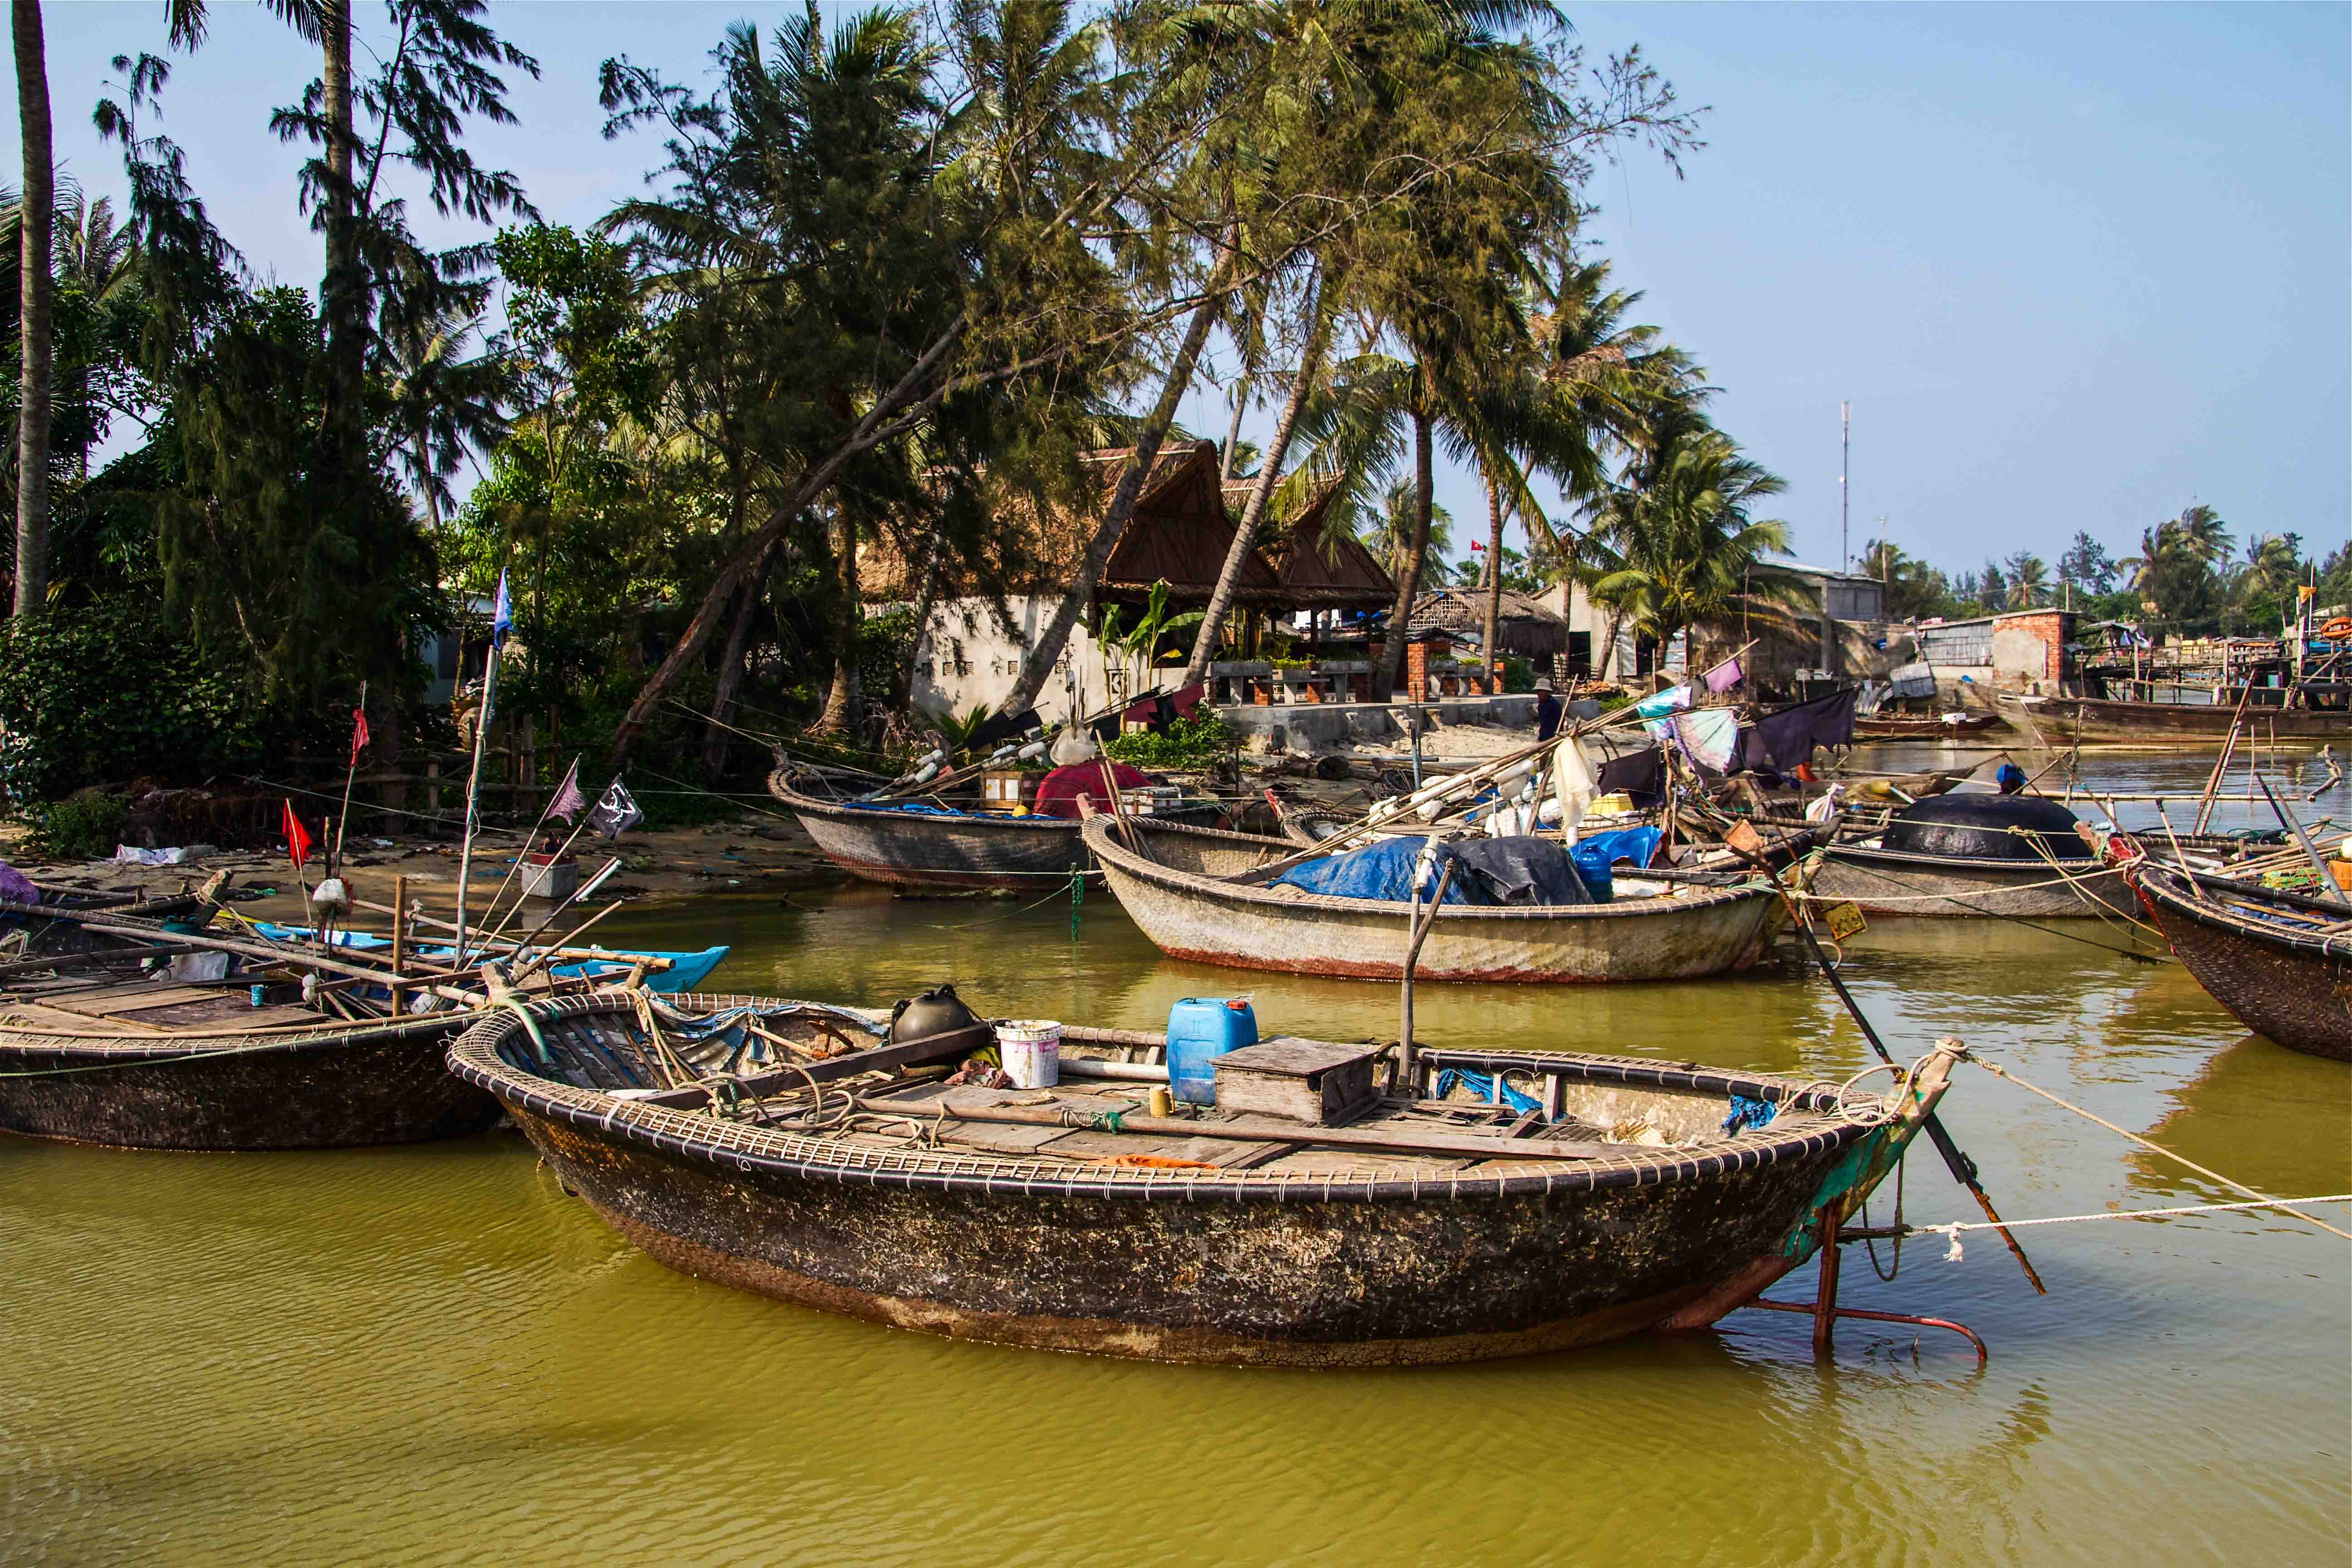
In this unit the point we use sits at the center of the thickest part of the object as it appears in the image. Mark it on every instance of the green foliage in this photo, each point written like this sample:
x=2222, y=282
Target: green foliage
x=1202, y=741
x=885, y=647
x=85, y=825
x=105, y=695
x=1519, y=674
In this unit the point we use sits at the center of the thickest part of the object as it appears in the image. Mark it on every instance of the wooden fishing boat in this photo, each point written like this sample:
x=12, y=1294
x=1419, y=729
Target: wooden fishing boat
x=1178, y=884
x=2280, y=962
x=2069, y=718
x=659, y=970
x=140, y=1061
x=920, y=843
x=1436, y=1225
x=49, y=926
x=2018, y=857
x=1922, y=726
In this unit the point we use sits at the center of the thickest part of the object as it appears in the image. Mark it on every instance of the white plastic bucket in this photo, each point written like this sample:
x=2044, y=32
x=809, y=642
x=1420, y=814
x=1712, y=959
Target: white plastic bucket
x=1031, y=1050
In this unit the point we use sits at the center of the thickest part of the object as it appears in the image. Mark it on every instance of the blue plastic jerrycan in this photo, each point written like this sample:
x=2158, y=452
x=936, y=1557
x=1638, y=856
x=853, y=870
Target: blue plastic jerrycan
x=1200, y=1030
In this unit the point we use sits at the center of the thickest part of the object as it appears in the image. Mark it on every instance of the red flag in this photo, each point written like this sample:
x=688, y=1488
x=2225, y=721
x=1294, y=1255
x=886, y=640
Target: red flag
x=359, y=734
x=297, y=842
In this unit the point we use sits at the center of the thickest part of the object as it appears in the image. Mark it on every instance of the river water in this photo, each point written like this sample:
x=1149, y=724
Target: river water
x=432, y=1355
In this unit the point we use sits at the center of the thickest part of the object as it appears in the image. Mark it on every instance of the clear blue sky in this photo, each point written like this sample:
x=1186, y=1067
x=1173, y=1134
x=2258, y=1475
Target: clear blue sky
x=2072, y=265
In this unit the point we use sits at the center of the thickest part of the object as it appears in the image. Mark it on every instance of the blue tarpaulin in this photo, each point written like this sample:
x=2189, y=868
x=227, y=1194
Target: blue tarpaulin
x=1594, y=856
x=1383, y=871
x=1517, y=871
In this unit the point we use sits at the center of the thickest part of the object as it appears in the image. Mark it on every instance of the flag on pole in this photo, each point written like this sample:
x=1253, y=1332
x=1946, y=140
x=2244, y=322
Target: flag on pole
x=297, y=842
x=568, y=802
x=501, y=612
x=359, y=734
x=1725, y=676
x=616, y=813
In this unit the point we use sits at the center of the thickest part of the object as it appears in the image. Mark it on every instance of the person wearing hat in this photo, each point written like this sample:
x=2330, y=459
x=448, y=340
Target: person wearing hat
x=2011, y=778
x=1546, y=710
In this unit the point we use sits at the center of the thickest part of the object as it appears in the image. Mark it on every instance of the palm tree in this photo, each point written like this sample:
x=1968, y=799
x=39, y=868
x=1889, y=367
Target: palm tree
x=1680, y=548
x=443, y=402
x=1388, y=533
x=2029, y=584
x=2271, y=567
x=32, y=263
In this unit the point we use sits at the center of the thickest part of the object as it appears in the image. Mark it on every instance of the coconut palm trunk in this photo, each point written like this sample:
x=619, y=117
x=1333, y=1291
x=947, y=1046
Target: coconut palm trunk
x=340, y=290
x=1039, y=666
x=33, y=304
x=1493, y=577
x=1416, y=557
x=1269, y=474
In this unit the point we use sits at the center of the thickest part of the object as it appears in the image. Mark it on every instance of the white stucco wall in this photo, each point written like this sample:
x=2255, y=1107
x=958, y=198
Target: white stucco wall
x=966, y=657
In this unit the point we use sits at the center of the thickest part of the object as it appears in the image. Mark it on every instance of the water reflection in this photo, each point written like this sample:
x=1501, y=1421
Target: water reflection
x=434, y=1355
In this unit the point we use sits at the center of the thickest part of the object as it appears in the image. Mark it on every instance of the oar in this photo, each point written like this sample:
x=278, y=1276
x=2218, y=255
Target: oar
x=1963, y=1169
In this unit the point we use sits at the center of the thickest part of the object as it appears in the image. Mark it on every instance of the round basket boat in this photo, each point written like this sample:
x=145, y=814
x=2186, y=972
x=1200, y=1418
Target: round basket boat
x=1079, y=1223
x=2270, y=958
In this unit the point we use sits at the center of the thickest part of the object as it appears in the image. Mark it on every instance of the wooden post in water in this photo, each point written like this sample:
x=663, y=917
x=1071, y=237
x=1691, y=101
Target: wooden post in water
x=399, y=939
x=1418, y=933
x=1825, y=1292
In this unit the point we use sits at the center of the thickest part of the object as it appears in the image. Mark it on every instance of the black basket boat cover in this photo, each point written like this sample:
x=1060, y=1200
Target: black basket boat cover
x=1979, y=828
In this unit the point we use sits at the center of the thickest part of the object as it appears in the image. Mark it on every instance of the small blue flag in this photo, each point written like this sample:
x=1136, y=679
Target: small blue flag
x=501, y=612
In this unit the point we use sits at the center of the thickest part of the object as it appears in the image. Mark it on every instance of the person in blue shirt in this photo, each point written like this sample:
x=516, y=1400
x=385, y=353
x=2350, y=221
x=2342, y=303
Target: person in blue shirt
x=2011, y=778
x=1546, y=710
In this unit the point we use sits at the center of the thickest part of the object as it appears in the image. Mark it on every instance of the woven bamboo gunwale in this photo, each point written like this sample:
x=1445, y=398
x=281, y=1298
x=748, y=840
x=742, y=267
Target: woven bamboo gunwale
x=1815, y=1119
x=2293, y=987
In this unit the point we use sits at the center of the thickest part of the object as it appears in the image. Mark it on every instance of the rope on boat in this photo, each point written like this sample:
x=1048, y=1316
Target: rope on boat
x=1963, y=901
x=2265, y=1199
x=1952, y=1232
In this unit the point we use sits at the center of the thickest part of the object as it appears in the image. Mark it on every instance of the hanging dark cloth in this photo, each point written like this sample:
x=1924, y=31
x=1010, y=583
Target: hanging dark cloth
x=1786, y=740
x=1642, y=775
x=1001, y=727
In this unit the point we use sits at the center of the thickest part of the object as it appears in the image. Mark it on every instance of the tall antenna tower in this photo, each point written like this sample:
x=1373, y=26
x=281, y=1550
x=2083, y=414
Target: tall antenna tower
x=1846, y=497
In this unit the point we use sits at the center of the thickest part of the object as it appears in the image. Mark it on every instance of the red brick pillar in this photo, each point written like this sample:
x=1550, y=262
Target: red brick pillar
x=1416, y=672
x=1495, y=681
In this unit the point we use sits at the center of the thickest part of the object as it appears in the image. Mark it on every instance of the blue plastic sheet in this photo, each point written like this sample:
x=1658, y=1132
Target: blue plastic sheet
x=1596, y=855
x=1482, y=1087
x=910, y=807
x=1383, y=871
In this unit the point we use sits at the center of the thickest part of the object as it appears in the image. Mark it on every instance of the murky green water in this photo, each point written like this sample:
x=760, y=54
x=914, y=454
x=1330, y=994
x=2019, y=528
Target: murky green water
x=432, y=1355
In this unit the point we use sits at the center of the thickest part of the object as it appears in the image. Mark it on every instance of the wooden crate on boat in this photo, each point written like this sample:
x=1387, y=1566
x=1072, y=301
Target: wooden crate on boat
x=1002, y=789
x=1314, y=1081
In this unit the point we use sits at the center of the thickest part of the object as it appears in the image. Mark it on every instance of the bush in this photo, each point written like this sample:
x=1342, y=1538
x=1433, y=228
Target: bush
x=1202, y=741
x=84, y=826
x=105, y=695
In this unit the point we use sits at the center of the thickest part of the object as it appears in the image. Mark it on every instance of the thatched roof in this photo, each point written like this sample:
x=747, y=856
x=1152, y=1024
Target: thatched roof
x=1182, y=528
x=1524, y=625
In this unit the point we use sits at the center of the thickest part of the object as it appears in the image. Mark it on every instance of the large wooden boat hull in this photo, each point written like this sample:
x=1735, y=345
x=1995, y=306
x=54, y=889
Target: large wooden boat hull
x=2174, y=723
x=917, y=849
x=1886, y=882
x=1354, y=1265
x=2290, y=988
x=341, y=1086
x=1175, y=894
x=1923, y=729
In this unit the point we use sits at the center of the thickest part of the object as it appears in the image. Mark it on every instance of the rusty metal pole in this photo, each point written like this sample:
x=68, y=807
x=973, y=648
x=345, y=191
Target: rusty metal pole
x=1825, y=1293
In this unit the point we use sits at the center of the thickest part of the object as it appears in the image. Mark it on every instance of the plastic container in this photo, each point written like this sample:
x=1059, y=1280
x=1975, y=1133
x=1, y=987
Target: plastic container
x=1031, y=1050
x=1200, y=1030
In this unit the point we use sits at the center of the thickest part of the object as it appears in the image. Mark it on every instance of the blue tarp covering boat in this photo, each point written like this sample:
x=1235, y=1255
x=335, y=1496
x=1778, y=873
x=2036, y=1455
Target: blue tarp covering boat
x=1514, y=870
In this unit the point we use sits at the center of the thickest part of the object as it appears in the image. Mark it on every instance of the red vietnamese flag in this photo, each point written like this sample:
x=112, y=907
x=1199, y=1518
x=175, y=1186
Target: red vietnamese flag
x=359, y=734
x=297, y=842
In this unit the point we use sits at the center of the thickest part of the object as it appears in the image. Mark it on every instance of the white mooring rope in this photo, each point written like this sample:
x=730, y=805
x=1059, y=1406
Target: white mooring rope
x=1952, y=1232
